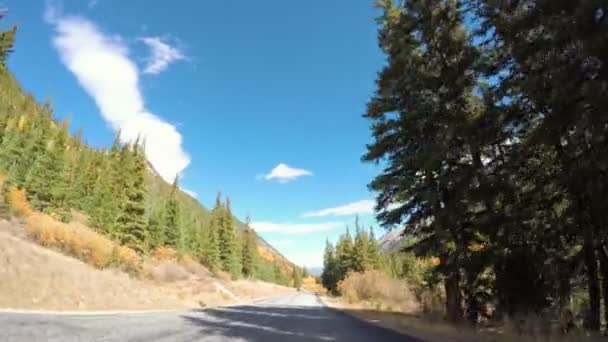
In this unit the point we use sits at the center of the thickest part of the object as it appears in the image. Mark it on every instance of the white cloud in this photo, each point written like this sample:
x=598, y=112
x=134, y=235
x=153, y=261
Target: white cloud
x=285, y=173
x=102, y=67
x=295, y=228
x=359, y=207
x=161, y=55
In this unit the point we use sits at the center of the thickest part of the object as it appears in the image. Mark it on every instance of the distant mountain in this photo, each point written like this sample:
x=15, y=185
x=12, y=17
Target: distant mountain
x=315, y=271
x=391, y=241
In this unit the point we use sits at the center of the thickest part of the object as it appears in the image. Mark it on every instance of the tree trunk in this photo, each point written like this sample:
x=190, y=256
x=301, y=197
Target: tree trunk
x=593, y=318
x=565, y=288
x=603, y=254
x=453, y=297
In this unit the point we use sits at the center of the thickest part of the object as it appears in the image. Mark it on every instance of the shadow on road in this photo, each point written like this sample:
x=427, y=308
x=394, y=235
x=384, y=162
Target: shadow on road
x=290, y=323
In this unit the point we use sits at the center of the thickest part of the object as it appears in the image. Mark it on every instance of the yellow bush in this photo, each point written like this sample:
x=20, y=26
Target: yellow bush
x=222, y=275
x=17, y=200
x=74, y=239
x=378, y=288
x=127, y=259
x=164, y=253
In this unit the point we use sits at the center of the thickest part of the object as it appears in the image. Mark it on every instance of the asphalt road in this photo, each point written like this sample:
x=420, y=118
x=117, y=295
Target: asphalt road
x=294, y=318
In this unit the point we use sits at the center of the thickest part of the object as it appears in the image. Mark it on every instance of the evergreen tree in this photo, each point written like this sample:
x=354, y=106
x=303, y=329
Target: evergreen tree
x=46, y=180
x=7, y=41
x=156, y=233
x=373, y=251
x=361, y=260
x=330, y=275
x=131, y=223
x=249, y=251
x=297, y=277
x=105, y=203
x=345, y=254
x=212, y=249
x=228, y=245
x=171, y=218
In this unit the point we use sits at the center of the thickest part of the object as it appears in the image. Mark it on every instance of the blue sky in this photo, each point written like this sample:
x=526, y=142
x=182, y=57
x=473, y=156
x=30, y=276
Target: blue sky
x=259, y=99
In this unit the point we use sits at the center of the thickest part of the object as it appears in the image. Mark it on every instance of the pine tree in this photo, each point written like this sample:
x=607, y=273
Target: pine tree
x=105, y=202
x=330, y=275
x=171, y=217
x=361, y=261
x=46, y=181
x=7, y=41
x=345, y=254
x=212, y=250
x=373, y=251
x=297, y=277
x=227, y=242
x=156, y=233
x=13, y=148
x=249, y=251
x=131, y=223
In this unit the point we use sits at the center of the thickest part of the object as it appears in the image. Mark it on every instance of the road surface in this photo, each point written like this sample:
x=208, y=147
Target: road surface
x=294, y=318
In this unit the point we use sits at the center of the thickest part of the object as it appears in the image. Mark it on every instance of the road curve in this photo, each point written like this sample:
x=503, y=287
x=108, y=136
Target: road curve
x=294, y=318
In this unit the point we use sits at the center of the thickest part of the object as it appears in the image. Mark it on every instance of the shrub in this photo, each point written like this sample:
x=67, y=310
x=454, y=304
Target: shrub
x=17, y=200
x=164, y=253
x=167, y=271
x=378, y=288
x=73, y=239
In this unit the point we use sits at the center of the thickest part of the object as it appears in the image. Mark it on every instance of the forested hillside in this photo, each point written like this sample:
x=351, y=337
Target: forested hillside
x=491, y=122
x=120, y=194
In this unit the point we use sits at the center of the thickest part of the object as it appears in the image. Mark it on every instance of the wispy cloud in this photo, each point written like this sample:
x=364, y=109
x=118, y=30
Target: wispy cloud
x=161, y=55
x=103, y=68
x=285, y=173
x=359, y=207
x=294, y=228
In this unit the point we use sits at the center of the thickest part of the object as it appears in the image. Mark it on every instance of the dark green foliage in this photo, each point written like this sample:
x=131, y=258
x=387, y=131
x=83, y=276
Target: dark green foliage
x=490, y=121
x=156, y=233
x=331, y=272
x=249, y=252
x=346, y=257
x=297, y=277
x=360, y=259
x=131, y=222
x=170, y=218
x=7, y=41
x=228, y=243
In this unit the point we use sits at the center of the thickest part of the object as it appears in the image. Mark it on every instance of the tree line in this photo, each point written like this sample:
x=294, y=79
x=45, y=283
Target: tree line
x=350, y=255
x=490, y=119
x=116, y=188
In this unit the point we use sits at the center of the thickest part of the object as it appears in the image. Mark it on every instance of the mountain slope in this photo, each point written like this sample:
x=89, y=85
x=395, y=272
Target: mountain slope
x=31, y=136
x=391, y=241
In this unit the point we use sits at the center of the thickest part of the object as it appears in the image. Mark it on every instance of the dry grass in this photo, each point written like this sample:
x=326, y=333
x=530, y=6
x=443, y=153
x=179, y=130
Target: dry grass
x=34, y=277
x=310, y=284
x=420, y=327
x=38, y=278
x=381, y=300
x=73, y=238
x=380, y=290
x=164, y=253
